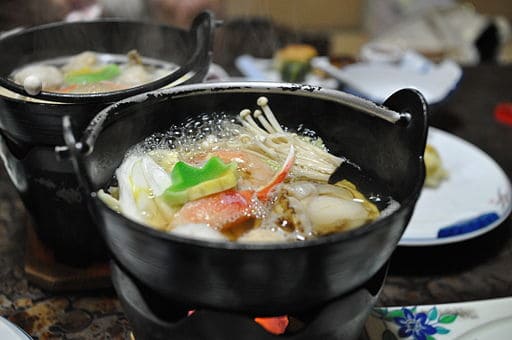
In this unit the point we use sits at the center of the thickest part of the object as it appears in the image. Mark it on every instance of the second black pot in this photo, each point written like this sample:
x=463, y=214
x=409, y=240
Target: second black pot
x=30, y=128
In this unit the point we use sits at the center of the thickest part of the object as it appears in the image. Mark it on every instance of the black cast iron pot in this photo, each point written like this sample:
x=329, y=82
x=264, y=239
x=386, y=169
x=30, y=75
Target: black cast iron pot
x=30, y=127
x=386, y=143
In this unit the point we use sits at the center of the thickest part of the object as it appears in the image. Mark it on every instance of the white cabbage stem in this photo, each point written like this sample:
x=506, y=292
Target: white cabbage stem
x=141, y=181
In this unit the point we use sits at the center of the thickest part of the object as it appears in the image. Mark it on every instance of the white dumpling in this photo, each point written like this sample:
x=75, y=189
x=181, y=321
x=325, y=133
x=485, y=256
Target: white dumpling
x=80, y=61
x=50, y=76
x=134, y=75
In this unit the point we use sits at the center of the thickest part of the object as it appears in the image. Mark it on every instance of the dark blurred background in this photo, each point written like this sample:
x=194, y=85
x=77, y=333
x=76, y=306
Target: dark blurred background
x=336, y=28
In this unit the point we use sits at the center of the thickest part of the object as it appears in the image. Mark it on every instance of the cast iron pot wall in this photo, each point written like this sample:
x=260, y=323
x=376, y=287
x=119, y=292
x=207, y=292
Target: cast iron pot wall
x=264, y=279
x=29, y=131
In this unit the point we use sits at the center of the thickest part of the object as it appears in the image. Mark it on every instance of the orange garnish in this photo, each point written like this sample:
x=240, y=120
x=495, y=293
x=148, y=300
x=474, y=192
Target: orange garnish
x=275, y=325
x=68, y=89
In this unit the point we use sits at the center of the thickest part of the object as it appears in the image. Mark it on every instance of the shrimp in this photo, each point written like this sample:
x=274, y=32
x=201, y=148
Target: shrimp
x=229, y=208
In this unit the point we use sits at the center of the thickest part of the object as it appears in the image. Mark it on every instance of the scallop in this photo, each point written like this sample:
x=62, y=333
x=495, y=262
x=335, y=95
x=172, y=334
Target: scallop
x=262, y=236
x=199, y=232
x=315, y=209
x=329, y=214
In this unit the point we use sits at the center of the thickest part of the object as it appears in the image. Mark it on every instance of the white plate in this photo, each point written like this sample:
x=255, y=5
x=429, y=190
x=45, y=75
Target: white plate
x=378, y=80
x=477, y=320
x=473, y=200
x=260, y=69
x=9, y=331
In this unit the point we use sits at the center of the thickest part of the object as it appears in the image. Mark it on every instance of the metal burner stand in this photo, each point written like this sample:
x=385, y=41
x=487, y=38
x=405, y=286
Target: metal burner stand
x=153, y=317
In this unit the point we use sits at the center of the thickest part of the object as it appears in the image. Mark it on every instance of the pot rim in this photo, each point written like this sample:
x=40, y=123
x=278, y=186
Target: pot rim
x=200, y=48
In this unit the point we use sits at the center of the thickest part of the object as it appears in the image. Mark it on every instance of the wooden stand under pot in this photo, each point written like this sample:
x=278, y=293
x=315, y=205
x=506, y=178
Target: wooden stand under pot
x=43, y=270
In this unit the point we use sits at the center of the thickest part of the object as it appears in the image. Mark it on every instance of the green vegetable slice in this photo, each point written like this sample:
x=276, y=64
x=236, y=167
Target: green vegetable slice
x=294, y=71
x=108, y=72
x=190, y=183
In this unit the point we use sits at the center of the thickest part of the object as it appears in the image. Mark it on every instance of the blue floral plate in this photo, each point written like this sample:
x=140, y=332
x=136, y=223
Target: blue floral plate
x=486, y=319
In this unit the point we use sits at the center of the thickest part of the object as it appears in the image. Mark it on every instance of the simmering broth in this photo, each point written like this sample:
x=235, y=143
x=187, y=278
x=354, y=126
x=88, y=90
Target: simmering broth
x=90, y=72
x=245, y=179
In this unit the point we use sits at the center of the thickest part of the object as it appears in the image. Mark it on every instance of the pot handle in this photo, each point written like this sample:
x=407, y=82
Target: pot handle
x=413, y=110
x=202, y=32
x=74, y=151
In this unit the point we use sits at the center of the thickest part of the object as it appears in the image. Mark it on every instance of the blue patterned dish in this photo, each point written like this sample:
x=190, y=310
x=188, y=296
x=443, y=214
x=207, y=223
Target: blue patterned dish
x=474, y=199
x=486, y=319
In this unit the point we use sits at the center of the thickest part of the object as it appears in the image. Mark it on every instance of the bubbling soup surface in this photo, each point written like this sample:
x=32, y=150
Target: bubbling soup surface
x=90, y=72
x=245, y=179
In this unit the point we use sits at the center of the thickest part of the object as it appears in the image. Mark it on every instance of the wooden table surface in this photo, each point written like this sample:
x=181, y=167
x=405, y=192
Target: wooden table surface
x=475, y=269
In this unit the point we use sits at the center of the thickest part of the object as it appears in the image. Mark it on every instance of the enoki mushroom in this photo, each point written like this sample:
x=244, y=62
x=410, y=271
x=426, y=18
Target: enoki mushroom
x=272, y=143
